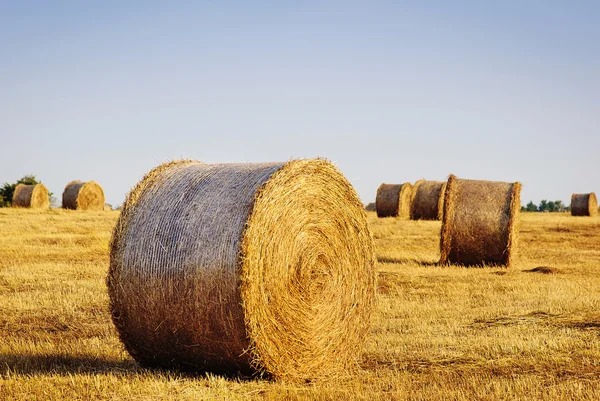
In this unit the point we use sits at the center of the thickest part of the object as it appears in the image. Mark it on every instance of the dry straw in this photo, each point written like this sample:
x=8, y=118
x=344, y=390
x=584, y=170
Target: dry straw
x=31, y=196
x=427, y=200
x=584, y=204
x=255, y=268
x=393, y=200
x=480, y=222
x=79, y=195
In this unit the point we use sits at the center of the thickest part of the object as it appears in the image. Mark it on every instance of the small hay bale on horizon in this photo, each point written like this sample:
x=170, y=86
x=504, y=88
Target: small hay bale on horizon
x=427, y=201
x=79, y=195
x=393, y=200
x=252, y=268
x=479, y=224
x=584, y=204
x=31, y=196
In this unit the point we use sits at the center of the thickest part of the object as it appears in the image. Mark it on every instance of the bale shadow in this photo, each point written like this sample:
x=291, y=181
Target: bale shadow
x=65, y=365
x=542, y=270
x=387, y=259
x=31, y=364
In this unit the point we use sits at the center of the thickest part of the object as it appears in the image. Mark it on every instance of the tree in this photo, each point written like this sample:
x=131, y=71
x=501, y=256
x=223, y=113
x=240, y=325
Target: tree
x=559, y=206
x=531, y=207
x=543, y=207
x=7, y=190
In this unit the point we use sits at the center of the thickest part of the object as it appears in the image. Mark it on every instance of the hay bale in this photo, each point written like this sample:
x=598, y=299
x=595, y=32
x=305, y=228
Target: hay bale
x=479, y=222
x=427, y=200
x=265, y=267
x=79, y=195
x=31, y=196
x=584, y=204
x=393, y=200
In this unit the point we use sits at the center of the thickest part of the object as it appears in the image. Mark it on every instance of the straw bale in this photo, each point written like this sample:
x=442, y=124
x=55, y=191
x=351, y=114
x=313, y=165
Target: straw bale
x=427, y=200
x=79, y=195
x=479, y=224
x=584, y=204
x=393, y=200
x=31, y=196
x=252, y=268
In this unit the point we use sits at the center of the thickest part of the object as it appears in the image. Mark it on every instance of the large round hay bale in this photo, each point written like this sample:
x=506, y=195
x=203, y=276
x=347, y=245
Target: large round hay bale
x=479, y=222
x=265, y=267
x=79, y=195
x=584, y=204
x=31, y=196
x=427, y=200
x=393, y=200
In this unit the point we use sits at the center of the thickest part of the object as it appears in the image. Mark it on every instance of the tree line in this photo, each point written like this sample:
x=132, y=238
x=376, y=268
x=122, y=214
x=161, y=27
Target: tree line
x=546, y=206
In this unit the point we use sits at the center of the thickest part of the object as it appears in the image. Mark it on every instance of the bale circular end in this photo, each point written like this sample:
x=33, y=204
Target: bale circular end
x=393, y=200
x=79, y=195
x=243, y=267
x=479, y=224
x=584, y=204
x=31, y=196
x=427, y=200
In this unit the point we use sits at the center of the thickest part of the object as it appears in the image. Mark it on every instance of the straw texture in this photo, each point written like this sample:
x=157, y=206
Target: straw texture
x=584, y=204
x=79, y=195
x=393, y=200
x=31, y=196
x=427, y=200
x=479, y=224
x=264, y=267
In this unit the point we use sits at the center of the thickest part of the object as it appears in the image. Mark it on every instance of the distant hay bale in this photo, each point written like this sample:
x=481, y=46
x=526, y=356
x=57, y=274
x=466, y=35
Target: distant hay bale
x=79, y=195
x=393, y=200
x=265, y=267
x=479, y=223
x=370, y=207
x=584, y=204
x=107, y=207
x=31, y=196
x=427, y=200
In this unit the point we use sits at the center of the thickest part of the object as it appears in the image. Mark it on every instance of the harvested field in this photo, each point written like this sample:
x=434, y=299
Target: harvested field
x=530, y=332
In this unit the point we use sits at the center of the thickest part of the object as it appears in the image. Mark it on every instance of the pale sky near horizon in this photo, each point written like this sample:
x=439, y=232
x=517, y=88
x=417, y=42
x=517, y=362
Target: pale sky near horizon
x=391, y=91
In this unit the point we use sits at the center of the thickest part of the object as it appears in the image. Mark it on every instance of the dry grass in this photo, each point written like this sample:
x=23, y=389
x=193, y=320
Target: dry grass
x=438, y=333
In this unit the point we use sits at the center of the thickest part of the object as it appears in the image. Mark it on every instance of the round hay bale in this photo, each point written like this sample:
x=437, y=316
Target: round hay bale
x=253, y=268
x=584, y=204
x=427, y=200
x=393, y=200
x=79, y=195
x=479, y=222
x=31, y=196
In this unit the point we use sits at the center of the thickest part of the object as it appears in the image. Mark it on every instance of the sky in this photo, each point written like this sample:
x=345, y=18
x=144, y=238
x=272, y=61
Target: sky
x=390, y=91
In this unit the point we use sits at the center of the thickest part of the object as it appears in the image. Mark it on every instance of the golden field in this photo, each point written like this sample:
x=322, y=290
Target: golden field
x=528, y=332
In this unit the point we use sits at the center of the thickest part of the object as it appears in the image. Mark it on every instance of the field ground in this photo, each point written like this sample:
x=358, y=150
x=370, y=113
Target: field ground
x=528, y=332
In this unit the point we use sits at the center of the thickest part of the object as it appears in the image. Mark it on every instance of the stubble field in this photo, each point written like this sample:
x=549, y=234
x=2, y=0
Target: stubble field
x=528, y=332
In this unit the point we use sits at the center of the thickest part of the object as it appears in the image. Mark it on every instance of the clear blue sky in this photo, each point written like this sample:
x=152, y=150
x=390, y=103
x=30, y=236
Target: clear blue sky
x=390, y=91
